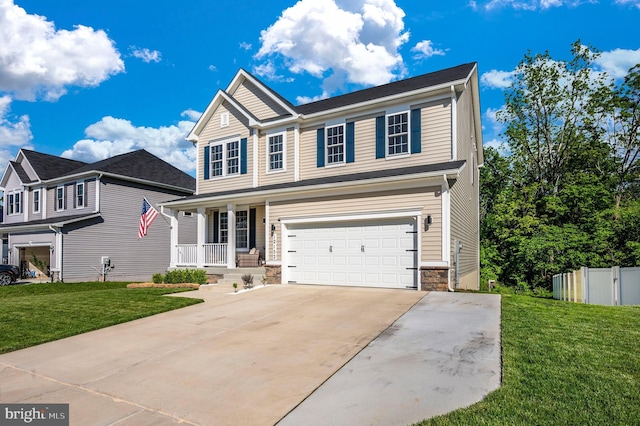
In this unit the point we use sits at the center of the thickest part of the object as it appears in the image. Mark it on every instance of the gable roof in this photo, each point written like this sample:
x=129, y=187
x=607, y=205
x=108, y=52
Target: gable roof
x=140, y=165
x=439, y=79
x=49, y=166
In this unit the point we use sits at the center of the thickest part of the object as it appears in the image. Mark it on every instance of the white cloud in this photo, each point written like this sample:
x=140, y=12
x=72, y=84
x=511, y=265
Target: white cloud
x=14, y=131
x=358, y=39
x=37, y=60
x=245, y=46
x=495, y=79
x=616, y=63
x=426, y=50
x=112, y=136
x=145, y=54
x=530, y=5
x=635, y=3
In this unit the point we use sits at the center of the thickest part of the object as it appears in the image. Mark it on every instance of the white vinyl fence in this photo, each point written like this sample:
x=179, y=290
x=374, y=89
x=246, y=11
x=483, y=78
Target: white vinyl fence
x=599, y=286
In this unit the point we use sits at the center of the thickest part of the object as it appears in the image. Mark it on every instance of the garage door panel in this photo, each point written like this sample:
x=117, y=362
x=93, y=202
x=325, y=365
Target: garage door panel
x=368, y=253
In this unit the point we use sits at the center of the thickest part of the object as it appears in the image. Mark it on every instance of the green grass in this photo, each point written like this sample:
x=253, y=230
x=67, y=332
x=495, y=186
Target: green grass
x=39, y=313
x=563, y=364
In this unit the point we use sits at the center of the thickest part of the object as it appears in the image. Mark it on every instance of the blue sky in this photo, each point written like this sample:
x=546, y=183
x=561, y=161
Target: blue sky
x=88, y=80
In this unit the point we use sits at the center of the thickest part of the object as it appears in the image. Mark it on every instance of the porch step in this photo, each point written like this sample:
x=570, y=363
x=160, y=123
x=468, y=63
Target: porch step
x=230, y=276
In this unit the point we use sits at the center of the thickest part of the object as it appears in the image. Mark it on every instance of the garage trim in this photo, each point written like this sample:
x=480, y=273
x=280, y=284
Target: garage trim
x=415, y=214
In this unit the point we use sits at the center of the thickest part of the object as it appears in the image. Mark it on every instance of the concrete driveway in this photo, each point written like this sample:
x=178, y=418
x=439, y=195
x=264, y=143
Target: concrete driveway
x=248, y=358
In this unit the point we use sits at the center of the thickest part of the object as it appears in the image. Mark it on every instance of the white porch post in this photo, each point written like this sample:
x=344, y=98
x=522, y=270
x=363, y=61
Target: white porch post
x=231, y=239
x=201, y=220
x=173, y=221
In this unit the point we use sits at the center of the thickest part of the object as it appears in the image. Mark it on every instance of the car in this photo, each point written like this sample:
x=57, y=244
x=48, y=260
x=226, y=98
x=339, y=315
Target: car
x=9, y=274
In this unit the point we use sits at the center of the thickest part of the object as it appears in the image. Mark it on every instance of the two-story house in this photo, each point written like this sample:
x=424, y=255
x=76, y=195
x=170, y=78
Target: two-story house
x=64, y=218
x=377, y=187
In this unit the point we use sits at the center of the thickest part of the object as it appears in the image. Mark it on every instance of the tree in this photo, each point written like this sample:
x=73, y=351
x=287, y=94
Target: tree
x=566, y=193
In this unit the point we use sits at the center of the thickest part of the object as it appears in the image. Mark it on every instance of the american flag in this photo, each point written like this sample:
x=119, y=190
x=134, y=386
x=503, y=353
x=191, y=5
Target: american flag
x=146, y=217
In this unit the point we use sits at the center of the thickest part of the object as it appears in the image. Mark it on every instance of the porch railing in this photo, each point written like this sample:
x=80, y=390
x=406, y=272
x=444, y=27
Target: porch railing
x=214, y=254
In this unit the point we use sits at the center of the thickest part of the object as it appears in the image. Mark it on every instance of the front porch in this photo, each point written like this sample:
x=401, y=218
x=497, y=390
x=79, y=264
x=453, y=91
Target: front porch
x=213, y=254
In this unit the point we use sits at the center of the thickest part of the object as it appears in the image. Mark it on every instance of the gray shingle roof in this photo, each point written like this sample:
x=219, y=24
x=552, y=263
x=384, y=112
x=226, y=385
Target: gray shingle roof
x=49, y=166
x=422, y=81
x=363, y=176
x=141, y=164
x=22, y=174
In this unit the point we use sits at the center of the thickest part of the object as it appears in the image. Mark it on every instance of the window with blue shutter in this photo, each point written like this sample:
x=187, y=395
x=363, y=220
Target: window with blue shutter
x=380, y=137
x=320, y=147
x=416, y=137
x=206, y=167
x=243, y=156
x=350, y=143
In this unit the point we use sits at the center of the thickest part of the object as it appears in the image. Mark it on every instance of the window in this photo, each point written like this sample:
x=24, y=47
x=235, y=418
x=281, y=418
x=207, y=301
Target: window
x=14, y=202
x=335, y=145
x=276, y=152
x=60, y=198
x=217, y=160
x=242, y=228
x=36, y=201
x=398, y=134
x=233, y=158
x=224, y=119
x=225, y=158
x=80, y=197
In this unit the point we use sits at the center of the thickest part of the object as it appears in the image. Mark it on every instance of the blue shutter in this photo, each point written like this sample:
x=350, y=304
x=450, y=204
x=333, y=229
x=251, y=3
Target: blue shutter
x=350, y=143
x=207, y=163
x=320, y=148
x=216, y=227
x=380, y=136
x=416, y=139
x=243, y=156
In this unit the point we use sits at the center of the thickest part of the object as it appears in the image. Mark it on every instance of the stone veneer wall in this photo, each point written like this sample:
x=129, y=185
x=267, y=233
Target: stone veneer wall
x=434, y=278
x=273, y=274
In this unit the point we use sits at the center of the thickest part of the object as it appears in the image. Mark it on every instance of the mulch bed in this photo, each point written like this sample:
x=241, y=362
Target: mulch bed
x=154, y=285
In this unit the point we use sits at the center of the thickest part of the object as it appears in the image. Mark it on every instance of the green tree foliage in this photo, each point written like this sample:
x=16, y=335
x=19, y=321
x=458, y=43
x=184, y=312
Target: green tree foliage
x=565, y=194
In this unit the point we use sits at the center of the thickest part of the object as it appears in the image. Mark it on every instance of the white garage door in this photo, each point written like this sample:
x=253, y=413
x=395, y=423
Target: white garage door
x=379, y=253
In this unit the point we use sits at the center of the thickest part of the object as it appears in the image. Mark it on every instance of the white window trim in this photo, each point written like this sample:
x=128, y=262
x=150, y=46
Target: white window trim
x=386, y=136
x=55, y=197
x=284, y=153
x=224, y=119
x=84, y=194
x=39, y=204
x=344, y=146
x=225, y=158
x=11, y=202
x=236, y=227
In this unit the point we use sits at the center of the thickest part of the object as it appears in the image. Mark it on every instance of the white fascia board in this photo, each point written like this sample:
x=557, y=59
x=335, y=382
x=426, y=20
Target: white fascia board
x=5, y=176
x=392, y=98
x=273, y=194
x=236, y=82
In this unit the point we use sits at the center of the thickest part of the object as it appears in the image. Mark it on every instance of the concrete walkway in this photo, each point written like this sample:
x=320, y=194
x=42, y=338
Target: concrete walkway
x=252, y=358
x=441, y=355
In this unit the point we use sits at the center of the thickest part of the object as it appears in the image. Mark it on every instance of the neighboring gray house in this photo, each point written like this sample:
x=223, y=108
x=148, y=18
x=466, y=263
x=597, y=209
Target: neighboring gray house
x=64, y=218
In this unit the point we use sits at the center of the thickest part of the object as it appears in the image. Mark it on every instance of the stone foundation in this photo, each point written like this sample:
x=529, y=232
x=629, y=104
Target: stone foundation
x=273, y=274
x=434, y=278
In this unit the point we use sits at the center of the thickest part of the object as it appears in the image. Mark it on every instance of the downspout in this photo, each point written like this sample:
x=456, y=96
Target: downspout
x=447, y=230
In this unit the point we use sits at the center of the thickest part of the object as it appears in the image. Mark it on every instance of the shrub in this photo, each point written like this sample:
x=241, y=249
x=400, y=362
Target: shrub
x=178, y=276
x=157, y=278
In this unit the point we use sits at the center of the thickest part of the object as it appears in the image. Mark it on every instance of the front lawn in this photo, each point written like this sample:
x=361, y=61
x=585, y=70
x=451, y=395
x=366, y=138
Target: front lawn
x=38, y=313
x=563, y=364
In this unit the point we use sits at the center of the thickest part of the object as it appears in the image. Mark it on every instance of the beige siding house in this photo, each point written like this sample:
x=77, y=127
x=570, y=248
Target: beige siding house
x=377, y=187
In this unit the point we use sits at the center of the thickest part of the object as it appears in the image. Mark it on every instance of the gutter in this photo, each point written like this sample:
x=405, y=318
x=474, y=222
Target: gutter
x=446, y=184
